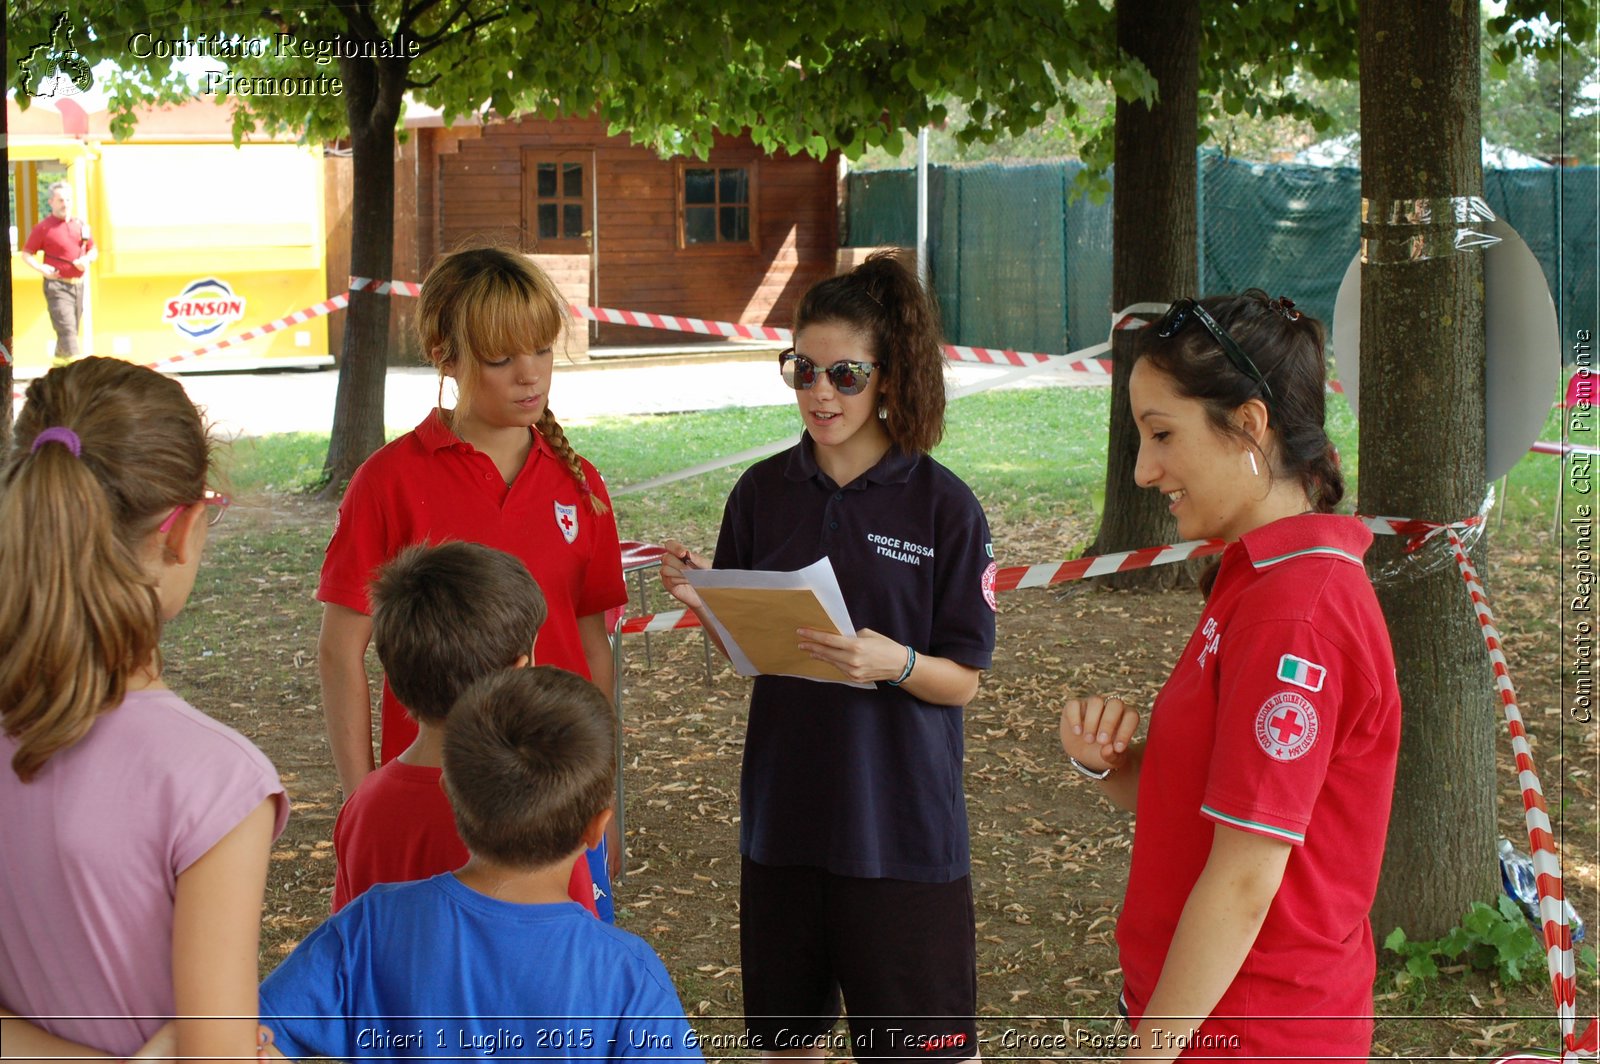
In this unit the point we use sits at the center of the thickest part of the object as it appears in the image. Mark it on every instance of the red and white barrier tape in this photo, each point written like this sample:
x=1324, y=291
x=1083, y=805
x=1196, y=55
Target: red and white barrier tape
x=1417, y=533
x=1541, y=838
x=645, y=319
x=1562, y=447
x=383, y=288
x=648, y=320
x=327, y=306
x=658, y=622
x=1019, y=577
x=636, y=555
x=1009, y=579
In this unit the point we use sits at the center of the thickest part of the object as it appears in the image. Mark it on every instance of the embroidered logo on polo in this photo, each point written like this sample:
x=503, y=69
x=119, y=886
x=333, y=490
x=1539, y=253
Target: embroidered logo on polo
x=1286, y=726
x=901, y=550
x=1210, y=641
x=987, y=583
x=1304, y=674
x=567, y=521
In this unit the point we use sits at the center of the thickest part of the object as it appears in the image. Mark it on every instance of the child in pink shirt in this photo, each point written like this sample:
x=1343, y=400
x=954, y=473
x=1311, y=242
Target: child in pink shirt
x=134, y=845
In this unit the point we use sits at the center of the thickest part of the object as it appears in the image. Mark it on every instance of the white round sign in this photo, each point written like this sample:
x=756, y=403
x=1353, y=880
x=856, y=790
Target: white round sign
x=1521, y=344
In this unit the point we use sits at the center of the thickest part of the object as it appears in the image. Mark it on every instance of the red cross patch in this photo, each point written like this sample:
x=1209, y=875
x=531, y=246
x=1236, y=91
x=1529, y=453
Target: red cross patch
x=567, y=521
x=1286, y=726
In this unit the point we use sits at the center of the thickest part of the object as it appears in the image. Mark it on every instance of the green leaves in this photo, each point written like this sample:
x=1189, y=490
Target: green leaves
x=828, y=76
x=1493, y=938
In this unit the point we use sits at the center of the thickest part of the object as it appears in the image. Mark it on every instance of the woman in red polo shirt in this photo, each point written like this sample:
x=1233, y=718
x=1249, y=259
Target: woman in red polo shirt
x=1262, y=790
x=495, y=470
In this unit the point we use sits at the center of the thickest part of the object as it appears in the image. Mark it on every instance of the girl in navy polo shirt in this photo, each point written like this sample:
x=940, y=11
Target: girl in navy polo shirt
x=1262, y=789
x=853, y=822
x=497, y=470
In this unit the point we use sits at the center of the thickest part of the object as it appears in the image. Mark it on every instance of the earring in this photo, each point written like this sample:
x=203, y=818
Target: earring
x=1255, y=472
x=883, y=413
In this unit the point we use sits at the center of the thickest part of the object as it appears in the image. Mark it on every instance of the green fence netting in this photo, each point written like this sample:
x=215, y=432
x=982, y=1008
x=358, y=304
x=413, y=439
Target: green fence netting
x=1016, y=264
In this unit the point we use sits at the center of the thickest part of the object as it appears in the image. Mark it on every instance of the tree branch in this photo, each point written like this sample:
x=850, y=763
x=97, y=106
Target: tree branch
x=358, y=17
x=408, y=18
x=433, y=39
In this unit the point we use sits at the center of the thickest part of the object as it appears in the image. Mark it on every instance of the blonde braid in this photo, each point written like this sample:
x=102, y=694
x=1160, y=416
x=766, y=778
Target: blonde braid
x=551, y=431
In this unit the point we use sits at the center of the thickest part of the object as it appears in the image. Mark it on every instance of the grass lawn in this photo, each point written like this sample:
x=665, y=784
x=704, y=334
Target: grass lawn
x=1048, y=863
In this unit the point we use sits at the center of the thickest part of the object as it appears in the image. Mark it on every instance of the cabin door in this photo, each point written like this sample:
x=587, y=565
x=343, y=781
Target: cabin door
x=558, y=207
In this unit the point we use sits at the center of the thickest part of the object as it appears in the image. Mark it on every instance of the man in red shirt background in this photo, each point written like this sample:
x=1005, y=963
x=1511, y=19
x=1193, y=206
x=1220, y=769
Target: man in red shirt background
x=68, y=249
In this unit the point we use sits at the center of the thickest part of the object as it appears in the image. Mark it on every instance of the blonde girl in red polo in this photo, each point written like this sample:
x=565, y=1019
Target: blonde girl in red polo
x=1262, y=789
x=136, y=830
x=497, y=470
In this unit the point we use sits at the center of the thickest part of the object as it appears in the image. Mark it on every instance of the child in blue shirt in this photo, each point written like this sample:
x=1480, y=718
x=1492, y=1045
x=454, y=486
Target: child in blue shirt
x=493, y=957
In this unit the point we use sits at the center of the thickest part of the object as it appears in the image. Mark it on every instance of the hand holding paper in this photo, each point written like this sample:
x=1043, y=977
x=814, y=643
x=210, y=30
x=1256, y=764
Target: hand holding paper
x=757, y=615
x=864, y=657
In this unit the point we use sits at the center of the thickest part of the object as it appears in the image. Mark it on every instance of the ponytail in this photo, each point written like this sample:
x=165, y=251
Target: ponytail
x=557, y=439
x=1327, y=480
x=886, y=302
x=80, y=615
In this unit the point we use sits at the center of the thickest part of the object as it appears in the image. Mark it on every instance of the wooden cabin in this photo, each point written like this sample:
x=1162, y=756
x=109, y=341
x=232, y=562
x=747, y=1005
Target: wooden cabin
x=736, y=237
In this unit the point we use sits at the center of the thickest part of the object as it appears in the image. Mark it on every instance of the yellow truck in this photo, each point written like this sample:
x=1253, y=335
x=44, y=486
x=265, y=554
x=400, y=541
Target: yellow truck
x=198, y=240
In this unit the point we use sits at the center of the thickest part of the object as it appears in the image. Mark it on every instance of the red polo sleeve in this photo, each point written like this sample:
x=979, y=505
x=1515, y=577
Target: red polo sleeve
x=603, y=586
x=1282, y=691
x=361, y=543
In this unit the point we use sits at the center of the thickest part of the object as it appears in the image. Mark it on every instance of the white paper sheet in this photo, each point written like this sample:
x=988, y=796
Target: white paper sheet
x=769, y=630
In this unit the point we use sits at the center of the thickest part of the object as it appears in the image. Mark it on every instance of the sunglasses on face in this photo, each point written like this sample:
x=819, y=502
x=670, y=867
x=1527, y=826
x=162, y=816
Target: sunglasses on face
x=1186, y=310
x=848, y=376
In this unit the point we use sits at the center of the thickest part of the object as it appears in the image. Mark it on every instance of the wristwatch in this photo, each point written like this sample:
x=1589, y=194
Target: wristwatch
x=1087, y=771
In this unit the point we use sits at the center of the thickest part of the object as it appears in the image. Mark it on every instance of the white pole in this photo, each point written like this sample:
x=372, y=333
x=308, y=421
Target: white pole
x=922, y=205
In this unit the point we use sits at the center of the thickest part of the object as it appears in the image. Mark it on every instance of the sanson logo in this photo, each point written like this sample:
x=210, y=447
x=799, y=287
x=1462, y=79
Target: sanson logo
x=203, y=308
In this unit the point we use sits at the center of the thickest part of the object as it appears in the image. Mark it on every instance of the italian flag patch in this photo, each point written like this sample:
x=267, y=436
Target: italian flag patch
x=1302, y=673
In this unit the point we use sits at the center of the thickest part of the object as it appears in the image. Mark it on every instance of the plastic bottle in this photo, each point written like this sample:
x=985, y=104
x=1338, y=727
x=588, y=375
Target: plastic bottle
x=1521, y=883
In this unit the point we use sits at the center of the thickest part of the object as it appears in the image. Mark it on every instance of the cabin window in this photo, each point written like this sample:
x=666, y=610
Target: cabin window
x=557, y=194
x=716, y=205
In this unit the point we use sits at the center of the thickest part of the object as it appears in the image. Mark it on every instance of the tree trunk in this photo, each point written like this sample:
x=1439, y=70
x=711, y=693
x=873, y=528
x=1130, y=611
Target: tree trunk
x=7, y=376
x=1422, y=410
x=1153, y=226
x=373, y=90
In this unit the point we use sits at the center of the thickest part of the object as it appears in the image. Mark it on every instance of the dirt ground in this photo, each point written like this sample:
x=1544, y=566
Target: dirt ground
x=1049, y=857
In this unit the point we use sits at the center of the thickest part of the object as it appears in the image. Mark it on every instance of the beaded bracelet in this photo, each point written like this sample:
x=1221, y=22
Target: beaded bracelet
x=911, y=663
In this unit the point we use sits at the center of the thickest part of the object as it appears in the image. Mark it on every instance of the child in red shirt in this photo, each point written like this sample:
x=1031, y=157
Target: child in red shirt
x=442, y=618
x=496, y=470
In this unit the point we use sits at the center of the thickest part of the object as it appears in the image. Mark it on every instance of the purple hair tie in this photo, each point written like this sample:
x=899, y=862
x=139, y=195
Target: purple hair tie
x=62, y=435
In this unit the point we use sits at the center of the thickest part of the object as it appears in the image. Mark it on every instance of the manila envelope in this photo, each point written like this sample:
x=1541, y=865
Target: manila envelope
x=763, y=622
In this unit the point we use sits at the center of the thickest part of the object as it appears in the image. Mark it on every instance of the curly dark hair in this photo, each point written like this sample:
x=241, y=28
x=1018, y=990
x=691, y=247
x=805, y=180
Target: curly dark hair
x=885, y=302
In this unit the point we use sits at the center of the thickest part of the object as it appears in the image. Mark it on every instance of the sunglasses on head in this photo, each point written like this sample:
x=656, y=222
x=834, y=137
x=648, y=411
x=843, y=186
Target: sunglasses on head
x=848, y=376
x=1185, y=310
